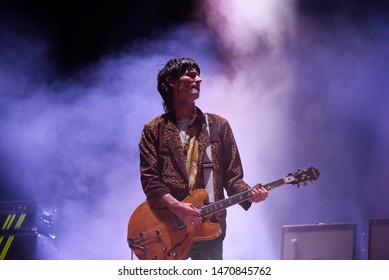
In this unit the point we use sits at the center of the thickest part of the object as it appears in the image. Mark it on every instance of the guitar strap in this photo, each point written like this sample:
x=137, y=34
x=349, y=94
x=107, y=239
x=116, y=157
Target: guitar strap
x=208, y=167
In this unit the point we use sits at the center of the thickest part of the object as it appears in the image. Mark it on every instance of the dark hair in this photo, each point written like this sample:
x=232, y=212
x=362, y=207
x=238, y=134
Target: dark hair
x=172, y=71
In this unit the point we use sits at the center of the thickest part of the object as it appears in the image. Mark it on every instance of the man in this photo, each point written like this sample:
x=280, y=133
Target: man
x=173, y=150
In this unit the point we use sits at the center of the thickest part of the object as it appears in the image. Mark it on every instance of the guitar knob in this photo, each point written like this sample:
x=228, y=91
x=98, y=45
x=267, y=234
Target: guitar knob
x=164, y=248
x=154, y=257
x=174, y=254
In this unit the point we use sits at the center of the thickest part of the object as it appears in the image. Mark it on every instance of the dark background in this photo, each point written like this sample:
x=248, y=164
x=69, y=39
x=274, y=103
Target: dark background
x=340, y=73
x=80, y=32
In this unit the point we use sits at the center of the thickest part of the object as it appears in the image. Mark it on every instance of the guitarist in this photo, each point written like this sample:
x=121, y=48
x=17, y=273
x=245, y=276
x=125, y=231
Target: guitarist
x=173, y=151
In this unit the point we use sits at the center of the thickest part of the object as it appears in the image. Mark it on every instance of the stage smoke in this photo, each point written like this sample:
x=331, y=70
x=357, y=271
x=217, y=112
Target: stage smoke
x=298, y=90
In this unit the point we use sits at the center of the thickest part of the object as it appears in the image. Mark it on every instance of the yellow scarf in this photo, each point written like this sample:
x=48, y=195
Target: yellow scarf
x=192, y=157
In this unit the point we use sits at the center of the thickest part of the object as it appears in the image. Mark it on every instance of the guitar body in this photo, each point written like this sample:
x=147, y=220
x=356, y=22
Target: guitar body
x=154, y=232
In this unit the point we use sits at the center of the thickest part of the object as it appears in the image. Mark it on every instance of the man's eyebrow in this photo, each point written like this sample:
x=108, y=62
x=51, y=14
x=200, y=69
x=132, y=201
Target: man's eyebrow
x=192, y=71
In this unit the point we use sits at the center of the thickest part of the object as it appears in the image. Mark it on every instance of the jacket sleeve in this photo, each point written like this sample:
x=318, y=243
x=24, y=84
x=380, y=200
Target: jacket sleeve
x=233, y=168
x=150, y=171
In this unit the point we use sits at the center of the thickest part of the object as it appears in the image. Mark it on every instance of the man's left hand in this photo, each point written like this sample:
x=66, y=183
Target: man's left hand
x=259, y=193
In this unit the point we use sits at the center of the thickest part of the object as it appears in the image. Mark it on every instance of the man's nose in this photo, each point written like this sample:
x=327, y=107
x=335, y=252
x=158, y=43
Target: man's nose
x=198, y=79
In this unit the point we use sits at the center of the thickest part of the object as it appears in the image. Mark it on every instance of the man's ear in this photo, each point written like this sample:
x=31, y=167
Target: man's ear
x=170, y=81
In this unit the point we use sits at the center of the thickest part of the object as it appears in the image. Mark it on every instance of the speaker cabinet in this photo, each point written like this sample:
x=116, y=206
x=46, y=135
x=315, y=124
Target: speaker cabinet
x=318, y=242
x=20, y=246
x=378, y=239
x=18, y=234
x=17, y=216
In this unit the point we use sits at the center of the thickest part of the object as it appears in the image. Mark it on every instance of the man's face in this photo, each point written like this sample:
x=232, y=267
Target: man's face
x=187, y=87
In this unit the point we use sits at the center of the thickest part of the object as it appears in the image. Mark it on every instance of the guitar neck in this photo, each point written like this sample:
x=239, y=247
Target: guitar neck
x=238, y=198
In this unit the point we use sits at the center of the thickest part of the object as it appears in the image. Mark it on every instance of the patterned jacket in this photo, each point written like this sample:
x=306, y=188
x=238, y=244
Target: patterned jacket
x=162, y=160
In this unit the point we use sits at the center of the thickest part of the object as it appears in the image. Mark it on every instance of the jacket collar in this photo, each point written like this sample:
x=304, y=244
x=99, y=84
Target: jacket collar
x=174, y=141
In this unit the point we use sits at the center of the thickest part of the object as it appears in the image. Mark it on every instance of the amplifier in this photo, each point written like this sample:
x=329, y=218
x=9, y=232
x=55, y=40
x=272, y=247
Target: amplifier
x=378, y=239
x=18, y=231
x=21, y=246
x=18, y=216
x=318, y=242
x=28, y=246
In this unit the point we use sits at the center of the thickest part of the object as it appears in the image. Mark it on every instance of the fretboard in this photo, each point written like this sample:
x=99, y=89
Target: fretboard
x=238, y=198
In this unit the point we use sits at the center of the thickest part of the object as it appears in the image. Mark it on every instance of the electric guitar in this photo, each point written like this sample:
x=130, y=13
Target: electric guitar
x=155, y=233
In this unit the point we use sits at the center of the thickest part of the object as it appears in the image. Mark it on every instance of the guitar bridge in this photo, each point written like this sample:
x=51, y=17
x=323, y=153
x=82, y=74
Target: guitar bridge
x=132, y=245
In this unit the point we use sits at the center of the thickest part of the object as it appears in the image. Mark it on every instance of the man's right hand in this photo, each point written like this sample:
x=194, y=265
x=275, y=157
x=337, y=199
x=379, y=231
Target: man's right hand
x=187, y=212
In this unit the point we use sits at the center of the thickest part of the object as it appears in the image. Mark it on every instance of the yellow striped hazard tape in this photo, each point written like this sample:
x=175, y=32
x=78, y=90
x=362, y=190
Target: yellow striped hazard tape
x=8, y=222
x=5, y=242
x=11, y=218
x=5, y=249
x=20, y=220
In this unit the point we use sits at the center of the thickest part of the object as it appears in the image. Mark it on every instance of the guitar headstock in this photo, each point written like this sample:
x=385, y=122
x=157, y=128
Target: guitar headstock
x=303, y=176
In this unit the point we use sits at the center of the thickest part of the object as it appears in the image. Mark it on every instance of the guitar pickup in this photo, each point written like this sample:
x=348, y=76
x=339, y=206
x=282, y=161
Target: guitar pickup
x=180, y=224
x=208, y=165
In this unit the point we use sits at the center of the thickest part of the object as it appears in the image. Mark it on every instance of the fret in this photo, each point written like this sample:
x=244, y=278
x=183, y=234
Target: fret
x=223, y=204
x=274, y=184
x=165, y=236
x=238, y=198
x=301, y=176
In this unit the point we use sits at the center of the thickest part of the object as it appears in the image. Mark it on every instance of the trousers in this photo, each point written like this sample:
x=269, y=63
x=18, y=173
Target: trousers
x=207, y=250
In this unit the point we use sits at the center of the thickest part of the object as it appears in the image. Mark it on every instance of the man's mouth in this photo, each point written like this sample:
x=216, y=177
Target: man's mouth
x=196, y=88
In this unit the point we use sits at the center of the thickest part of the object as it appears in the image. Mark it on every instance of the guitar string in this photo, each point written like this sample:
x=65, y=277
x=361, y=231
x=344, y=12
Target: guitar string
x=153, y=232
x=173, y=222
x=157, y=230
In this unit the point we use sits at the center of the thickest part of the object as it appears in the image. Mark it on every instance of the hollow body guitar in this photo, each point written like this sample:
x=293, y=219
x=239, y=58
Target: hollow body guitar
x=155, y=233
